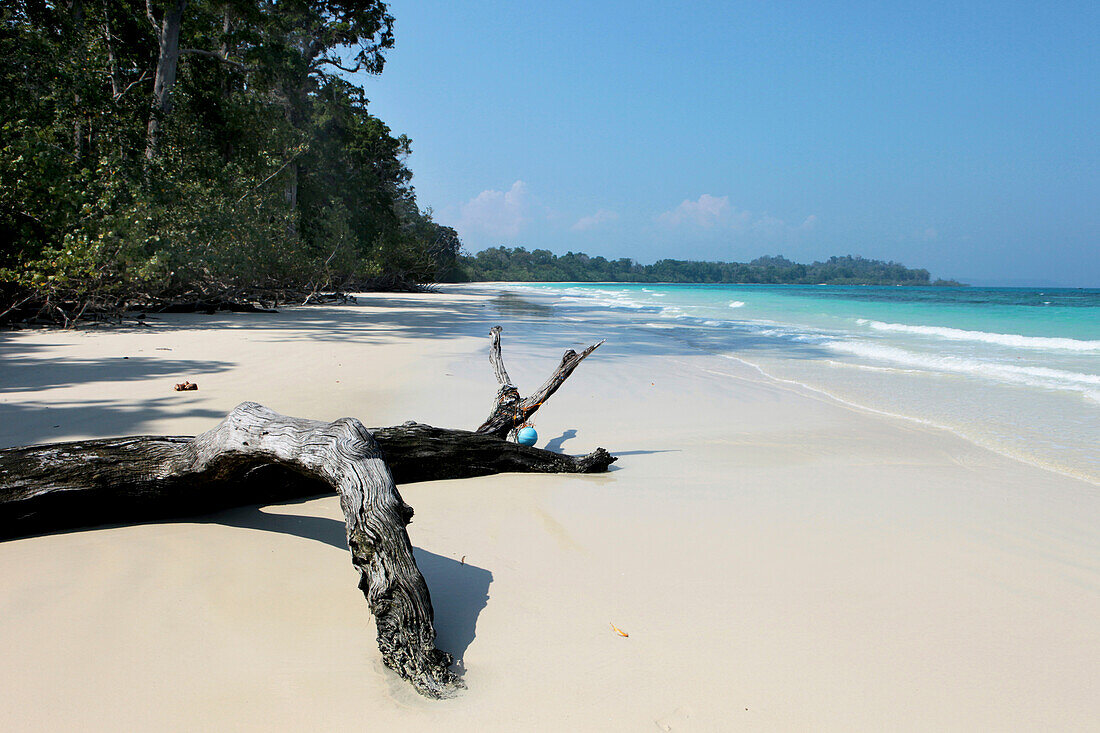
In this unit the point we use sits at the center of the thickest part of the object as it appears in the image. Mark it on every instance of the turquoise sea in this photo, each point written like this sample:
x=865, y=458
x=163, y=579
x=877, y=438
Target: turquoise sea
x=1014, y=369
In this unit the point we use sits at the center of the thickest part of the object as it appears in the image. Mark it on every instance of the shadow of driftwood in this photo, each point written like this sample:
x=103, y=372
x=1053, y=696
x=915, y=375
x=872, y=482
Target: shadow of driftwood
x=555, y=444
x=37, y=421
x=459, y=590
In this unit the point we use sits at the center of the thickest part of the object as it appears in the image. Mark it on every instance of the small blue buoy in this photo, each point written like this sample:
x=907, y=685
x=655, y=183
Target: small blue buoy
x=527, y=436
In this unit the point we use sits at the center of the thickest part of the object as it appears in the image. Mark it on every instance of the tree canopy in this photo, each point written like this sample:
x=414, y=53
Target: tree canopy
x=156, y=150
x=517, y=264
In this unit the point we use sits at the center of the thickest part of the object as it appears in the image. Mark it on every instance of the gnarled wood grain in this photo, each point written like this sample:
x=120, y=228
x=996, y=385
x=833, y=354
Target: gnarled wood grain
x=259, y=455
x=45, y=488
x=510, y=411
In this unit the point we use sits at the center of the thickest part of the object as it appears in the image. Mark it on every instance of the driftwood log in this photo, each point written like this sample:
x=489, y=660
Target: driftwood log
x=511, y=411
x=257, y=456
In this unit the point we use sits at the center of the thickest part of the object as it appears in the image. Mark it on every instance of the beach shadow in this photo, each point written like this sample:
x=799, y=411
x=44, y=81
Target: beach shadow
x=458, y=589
x=36, y=421
x=26, y=371
x=555, y=444
x=620, y=453
x=459, y=592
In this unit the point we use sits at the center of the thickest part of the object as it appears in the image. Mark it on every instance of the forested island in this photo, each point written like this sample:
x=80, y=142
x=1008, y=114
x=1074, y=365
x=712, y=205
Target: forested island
x=517, y=264
x=174, y=152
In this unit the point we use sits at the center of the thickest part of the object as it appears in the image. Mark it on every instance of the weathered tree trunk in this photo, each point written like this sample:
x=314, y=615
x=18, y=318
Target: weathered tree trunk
x=290, y=195
x=257, y=456
x=262, y=454
x=168, y=42
x=112, y=63
x=511, y=410
x=418, y=452
x=46, y=488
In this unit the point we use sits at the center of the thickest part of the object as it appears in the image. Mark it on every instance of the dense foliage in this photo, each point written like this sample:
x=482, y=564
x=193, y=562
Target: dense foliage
x=505, y=264
x=160, y=150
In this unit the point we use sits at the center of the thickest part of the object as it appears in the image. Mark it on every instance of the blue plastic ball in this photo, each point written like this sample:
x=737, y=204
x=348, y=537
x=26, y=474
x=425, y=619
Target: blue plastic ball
x=527, y=436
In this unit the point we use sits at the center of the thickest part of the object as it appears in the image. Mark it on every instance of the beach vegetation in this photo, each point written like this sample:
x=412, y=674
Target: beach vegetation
x=518, y=265
x=160, y=152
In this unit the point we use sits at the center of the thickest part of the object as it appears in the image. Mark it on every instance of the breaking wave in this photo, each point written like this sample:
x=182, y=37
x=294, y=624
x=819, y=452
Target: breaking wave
x=1001, y=339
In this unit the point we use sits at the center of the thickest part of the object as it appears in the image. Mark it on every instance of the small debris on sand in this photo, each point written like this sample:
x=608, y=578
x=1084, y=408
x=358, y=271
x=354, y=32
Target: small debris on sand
x=618, y=631
x=186, y=386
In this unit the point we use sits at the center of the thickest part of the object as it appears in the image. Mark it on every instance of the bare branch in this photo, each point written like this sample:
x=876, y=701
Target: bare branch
x=149, y=14
x=495, y=357
x=214, y=55
x=331, y=62
x=510, y=410
x=570, y=360
x=118, y=95
x=280, y=170
x=17, y=306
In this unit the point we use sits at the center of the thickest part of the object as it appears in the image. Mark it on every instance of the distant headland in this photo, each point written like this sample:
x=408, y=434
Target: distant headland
x=540, y=265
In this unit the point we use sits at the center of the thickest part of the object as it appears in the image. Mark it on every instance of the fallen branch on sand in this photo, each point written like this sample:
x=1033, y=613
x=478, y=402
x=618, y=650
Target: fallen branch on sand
x=257, y=456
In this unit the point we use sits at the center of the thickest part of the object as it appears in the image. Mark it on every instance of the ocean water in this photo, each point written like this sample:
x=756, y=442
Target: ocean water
x=1014, y=369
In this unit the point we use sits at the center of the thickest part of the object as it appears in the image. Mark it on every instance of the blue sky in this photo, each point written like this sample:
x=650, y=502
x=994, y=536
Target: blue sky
x=961, y=137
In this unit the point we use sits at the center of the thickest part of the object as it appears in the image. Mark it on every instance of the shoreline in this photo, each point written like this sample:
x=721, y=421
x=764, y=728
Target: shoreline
x=840, y=401
x=779, y=560
x=773, y=366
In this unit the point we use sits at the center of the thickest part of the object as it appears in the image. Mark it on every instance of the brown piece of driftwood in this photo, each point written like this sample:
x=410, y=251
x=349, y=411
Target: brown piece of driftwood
x=258, y=455
x=510, y=410
x=418, y=452
x=46, y=488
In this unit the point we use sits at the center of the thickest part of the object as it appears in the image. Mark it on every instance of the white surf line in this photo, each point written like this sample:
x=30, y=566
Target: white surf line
x=856, y=407
x=1013, y=340
x=830, y=396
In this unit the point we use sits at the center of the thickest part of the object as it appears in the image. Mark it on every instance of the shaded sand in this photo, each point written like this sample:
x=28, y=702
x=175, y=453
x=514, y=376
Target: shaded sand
x=780, y=562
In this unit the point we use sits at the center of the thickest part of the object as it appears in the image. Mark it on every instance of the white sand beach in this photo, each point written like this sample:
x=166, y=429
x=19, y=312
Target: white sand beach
x=780, y=561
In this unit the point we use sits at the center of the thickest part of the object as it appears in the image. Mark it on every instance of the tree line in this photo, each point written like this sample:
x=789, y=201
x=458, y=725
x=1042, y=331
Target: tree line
x=517, y=264
x=161, y=151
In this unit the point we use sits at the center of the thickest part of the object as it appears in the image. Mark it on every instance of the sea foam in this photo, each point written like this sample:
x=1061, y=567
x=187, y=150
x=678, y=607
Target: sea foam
x=1034, y=376
x=1001, y=339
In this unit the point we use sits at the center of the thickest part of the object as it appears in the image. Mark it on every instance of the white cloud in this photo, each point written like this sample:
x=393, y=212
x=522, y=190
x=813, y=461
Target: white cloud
x=497, y=213
x=715, y=212
x=602, y=216
x=708, y=212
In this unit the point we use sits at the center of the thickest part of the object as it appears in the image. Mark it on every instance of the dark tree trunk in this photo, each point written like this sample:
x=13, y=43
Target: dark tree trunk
x=266, y=456
x=510, y=410
x=46, y=488
x=76, y=12
x=168, y=41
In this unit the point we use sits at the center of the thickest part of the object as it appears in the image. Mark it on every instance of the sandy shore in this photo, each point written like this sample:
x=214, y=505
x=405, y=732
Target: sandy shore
x=780, y=561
